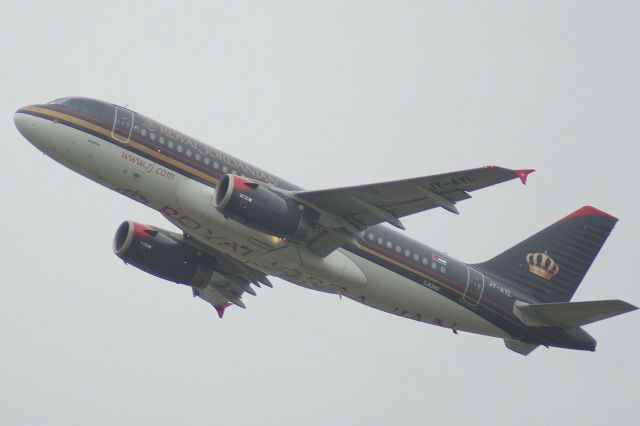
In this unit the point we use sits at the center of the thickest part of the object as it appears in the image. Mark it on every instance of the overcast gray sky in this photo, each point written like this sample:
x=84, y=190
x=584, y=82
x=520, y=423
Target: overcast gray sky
x=324, y=94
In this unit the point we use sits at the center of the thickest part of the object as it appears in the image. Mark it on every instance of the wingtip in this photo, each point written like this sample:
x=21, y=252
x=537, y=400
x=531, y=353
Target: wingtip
x=523, y=173
x=220, y=308
x=520, y=173
x=629, y=307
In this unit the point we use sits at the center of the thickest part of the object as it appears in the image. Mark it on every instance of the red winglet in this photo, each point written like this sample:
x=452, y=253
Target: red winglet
x=587, y=211
x=220, y=308
x=522, y=174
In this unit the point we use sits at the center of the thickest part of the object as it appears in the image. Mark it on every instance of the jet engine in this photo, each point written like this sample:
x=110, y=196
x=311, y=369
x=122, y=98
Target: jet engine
x=257, y=206
x=162, y=254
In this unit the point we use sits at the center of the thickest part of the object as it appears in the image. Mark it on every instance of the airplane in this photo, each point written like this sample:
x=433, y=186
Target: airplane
x=241, y=224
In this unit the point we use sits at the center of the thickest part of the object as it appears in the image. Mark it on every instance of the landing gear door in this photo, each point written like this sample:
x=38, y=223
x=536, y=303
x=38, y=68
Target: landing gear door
x=122, y=125
x=475, y=287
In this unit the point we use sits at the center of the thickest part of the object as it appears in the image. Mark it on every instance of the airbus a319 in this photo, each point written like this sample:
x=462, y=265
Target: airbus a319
x=241, y=224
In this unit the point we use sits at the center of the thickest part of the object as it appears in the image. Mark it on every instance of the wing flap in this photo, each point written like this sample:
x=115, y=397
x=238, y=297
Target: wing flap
x=229, y=281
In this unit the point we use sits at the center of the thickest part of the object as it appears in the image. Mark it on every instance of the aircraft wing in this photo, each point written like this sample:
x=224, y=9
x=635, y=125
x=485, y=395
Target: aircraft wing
x=230, y=280
x=345, y=212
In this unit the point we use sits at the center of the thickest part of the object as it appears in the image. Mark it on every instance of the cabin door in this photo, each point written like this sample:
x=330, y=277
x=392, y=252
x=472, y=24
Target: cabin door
x=475, y=287
x=122, y=125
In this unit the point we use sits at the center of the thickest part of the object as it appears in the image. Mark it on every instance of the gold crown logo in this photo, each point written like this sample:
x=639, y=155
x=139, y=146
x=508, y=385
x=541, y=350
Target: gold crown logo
x=542, y=265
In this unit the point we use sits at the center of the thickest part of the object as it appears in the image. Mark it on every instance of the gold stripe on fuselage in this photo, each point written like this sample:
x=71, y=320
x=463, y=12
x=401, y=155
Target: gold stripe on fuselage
x=409, y=268
x=437, y=281
x=106, y=133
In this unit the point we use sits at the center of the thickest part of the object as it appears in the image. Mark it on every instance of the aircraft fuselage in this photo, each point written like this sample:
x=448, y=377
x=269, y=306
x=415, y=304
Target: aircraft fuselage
x=176, y=175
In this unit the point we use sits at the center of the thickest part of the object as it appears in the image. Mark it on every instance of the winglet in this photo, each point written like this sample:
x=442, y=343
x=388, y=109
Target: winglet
x=220, y=308
x=522, y=174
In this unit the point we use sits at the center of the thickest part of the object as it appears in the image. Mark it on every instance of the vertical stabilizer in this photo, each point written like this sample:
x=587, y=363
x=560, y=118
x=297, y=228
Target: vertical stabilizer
x=550, y=265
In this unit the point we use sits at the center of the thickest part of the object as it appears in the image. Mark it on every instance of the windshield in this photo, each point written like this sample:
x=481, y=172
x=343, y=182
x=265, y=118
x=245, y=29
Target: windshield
x=89, y=108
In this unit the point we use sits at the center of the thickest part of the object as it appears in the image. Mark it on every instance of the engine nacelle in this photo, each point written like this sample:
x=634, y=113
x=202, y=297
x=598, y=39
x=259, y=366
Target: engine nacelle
x=162, y=254
x=257, y=206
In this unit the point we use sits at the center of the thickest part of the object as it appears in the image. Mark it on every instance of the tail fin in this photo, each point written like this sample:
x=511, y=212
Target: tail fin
x=550, y=265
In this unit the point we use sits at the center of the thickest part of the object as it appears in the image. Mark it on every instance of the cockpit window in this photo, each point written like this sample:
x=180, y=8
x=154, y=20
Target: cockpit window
x=90, y=108
x=58, y=101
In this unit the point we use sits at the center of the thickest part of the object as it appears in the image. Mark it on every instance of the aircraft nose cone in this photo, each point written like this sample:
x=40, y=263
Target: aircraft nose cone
x=31, y=128
x=24, y=124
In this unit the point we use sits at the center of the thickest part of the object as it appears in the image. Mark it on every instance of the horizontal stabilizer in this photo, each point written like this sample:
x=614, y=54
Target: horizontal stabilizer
x=522, y=348
x=569, y=314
